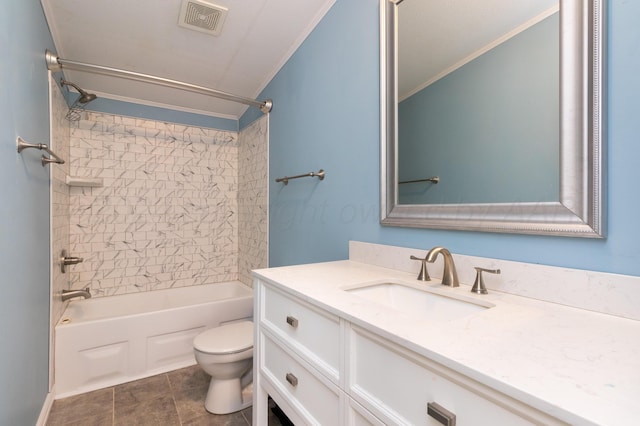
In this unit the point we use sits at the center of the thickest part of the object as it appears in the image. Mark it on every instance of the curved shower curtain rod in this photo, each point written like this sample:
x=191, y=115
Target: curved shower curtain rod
x=55, y=64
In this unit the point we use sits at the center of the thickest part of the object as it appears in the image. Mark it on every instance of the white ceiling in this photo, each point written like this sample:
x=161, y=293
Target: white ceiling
x=436, y=37
x=143, y=36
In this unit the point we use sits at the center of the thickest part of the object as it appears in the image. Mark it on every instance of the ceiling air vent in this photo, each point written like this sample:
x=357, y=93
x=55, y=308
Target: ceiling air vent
x=202, y=16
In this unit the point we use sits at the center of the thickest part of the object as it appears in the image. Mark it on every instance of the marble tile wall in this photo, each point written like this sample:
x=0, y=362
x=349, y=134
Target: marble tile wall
x=253, y=199
x=167, y=213
x=59, y=135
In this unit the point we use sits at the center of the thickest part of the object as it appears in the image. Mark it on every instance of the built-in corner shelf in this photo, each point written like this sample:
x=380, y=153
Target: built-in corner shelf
x=84, y=181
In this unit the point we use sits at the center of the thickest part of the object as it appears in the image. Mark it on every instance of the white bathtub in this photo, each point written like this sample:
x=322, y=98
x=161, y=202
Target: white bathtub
x=110, y=340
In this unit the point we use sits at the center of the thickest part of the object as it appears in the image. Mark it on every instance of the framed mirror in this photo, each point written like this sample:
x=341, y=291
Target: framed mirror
x=490, y=124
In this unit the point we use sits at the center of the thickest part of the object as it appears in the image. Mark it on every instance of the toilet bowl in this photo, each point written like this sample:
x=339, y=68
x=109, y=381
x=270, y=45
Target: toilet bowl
x=226, y=354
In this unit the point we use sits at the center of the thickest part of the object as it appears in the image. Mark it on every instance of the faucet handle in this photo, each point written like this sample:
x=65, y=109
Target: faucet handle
x=68, y=260
x=478, y=285
x=424, y=274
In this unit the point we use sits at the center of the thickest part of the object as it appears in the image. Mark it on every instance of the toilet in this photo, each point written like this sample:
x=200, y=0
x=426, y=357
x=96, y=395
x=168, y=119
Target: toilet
x=226, y=354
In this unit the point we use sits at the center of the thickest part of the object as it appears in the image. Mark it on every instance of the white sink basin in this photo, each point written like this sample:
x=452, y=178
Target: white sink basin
x=420, y=301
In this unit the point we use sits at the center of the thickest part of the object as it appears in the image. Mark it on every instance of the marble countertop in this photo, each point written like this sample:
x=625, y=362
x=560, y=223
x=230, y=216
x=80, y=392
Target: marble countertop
x=580, y=366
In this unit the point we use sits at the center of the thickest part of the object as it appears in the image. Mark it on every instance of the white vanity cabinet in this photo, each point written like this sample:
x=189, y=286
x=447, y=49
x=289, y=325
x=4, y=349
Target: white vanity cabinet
x=322, y=369
x=298, y=355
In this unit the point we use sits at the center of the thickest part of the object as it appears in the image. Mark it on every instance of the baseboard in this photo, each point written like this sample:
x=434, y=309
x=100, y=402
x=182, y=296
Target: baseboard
x=46, y=408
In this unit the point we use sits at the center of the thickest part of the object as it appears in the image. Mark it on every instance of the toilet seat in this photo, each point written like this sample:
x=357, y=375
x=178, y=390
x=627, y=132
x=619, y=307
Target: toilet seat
x=226, y=339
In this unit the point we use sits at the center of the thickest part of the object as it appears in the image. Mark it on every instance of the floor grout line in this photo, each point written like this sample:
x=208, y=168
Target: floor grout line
x=173, y=398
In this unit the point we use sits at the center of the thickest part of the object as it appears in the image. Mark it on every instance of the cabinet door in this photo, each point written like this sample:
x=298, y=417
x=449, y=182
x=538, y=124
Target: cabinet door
x=313, y=333
x=357, y=415
x=315, y=398
x=397, y=385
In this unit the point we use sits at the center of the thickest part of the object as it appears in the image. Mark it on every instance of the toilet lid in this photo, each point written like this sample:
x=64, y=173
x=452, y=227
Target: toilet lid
x=226, y=339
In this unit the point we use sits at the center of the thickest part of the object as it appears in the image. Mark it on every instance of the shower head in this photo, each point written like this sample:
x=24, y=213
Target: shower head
x=85, y=97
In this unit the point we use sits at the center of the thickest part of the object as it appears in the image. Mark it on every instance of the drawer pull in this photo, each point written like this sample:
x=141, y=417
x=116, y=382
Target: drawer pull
x=293, y=322
x=441, y=414
x=293, y=380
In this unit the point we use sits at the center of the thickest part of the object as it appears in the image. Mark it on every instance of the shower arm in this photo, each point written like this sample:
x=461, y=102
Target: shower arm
x=55, y=64
x=83, y=93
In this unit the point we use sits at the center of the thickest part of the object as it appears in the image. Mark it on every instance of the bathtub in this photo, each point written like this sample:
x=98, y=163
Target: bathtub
x=106, y=341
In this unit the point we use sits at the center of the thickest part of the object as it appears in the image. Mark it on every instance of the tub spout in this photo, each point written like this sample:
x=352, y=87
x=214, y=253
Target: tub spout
x=70, y=294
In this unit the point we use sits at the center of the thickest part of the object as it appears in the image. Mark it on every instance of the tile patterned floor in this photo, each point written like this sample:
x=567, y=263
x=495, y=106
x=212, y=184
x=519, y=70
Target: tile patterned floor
x=171, y=399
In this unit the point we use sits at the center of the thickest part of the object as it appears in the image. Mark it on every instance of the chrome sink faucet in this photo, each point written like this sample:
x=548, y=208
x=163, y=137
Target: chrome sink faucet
x=449, y=275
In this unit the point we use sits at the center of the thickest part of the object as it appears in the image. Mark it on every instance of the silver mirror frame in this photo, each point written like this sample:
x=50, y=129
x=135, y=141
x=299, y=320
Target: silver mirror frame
x=581, y=209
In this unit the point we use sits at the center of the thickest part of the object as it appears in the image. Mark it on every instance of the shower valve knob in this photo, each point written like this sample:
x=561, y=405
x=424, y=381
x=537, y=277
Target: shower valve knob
x=68, y=260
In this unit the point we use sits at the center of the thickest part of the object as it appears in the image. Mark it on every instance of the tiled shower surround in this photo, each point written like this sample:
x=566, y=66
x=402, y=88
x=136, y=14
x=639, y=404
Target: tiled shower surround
x=252, y=199
x=167, y=213
x=59, y=198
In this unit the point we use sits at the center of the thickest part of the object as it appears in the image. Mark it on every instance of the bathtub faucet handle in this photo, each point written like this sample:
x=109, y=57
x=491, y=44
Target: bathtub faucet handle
x=68, y=260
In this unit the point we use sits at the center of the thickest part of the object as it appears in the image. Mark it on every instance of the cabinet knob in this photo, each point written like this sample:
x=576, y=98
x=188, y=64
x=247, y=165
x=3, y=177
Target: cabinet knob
x=441, y=414
x=292, y=321
x=293, y=380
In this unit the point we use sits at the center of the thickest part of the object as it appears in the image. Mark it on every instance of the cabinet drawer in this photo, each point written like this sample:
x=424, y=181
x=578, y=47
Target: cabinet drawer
x=359, y=416
x=313, y=333
x=397, y=384
x=316, y=400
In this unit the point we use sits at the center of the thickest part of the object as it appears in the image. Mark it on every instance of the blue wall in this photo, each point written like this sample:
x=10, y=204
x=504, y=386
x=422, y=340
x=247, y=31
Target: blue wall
x=490, y=129
x=24, y=213
x=325, y=115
